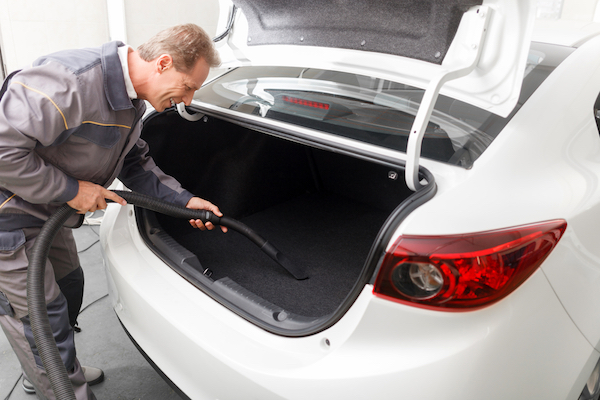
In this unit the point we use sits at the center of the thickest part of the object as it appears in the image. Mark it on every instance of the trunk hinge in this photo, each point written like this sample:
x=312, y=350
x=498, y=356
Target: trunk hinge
x=461, y=60
x=228, y=27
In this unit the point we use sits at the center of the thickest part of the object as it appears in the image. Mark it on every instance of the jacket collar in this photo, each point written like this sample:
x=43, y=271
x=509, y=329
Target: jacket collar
x=114, y=83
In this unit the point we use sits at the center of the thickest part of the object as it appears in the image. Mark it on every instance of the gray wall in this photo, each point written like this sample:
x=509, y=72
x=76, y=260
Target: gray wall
x=30, y=28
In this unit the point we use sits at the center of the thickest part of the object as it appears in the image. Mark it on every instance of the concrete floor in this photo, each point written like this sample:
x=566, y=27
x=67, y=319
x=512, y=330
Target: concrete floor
x=102, y=342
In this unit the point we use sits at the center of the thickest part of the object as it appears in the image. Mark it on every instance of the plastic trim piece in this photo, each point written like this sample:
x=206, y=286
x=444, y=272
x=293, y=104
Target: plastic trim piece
x=186, y=115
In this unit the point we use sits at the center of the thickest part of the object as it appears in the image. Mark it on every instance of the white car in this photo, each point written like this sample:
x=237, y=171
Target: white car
x=432, y=167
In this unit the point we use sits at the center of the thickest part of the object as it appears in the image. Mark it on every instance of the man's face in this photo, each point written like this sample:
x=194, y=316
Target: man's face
x=172, y=86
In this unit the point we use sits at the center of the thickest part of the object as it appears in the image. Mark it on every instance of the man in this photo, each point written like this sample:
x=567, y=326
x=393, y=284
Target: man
x=70, y=125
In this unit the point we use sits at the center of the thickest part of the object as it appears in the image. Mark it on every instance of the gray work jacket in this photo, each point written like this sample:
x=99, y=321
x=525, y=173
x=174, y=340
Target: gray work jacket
x=69, y=118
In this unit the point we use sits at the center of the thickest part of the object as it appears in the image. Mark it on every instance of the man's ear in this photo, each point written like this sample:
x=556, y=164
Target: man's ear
x=164, y=62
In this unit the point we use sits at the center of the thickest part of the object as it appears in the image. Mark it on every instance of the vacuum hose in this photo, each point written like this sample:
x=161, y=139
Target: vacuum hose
x=38, y=315
x=36, y=304
x=173, y=210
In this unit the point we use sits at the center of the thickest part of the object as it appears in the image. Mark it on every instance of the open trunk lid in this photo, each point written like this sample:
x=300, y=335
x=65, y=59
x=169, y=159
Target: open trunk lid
x=417, y=39
x=471, y=50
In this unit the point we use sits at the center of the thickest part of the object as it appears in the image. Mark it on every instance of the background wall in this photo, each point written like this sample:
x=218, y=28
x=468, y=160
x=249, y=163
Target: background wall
x=147, y=17
x=31, y=28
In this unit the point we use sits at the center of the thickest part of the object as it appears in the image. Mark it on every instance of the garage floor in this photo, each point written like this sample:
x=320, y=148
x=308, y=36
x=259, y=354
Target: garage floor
x=101, y=343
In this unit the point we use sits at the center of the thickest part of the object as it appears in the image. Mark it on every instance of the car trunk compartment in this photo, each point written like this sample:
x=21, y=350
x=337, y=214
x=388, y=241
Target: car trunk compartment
x=322, y=209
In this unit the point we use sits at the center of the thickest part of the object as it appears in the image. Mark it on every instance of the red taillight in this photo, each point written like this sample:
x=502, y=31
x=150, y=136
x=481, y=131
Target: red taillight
x=464, y=271
x=306, y=103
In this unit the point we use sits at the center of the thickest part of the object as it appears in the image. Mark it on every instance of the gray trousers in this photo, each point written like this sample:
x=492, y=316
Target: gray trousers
x=64, y=293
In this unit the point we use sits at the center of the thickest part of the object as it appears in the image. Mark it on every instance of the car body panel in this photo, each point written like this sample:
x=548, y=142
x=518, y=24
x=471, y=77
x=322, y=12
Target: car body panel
x=376, y=343
x=509, y=161
x=572, y=33
x=572, y=193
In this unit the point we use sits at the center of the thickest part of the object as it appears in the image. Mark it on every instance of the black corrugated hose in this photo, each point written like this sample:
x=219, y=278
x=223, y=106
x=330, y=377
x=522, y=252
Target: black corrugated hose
x=38, y=315
x=36, y=303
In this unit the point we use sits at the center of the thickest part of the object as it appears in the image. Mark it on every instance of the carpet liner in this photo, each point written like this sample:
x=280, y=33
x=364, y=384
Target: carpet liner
x=329, y=235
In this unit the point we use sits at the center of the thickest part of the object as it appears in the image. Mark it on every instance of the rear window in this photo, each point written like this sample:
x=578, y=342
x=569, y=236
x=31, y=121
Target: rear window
x=372, y=110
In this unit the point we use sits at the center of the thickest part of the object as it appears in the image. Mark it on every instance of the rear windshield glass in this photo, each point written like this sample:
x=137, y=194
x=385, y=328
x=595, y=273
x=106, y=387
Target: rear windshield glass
x=372, y=110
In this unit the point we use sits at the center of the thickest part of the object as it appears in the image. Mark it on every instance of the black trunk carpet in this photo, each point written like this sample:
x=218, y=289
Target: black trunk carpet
x=330, y=236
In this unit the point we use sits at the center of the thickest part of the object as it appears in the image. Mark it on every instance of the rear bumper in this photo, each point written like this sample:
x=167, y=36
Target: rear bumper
x=523, y=347
x=156, y=367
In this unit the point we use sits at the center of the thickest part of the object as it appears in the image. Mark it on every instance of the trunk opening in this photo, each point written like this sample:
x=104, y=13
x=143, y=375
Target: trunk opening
x=323, y=210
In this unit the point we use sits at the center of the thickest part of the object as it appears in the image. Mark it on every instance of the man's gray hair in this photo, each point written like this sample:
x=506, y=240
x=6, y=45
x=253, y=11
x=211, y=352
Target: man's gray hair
x=185, y=43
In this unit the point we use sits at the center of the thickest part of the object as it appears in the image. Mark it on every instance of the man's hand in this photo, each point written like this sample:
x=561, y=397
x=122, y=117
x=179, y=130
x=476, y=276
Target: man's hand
x=91, y=197
x=197, y=203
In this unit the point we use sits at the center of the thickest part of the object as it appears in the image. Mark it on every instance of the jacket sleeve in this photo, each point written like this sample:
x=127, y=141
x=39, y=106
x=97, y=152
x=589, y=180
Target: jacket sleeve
x=141, y=174
x=32, y=113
